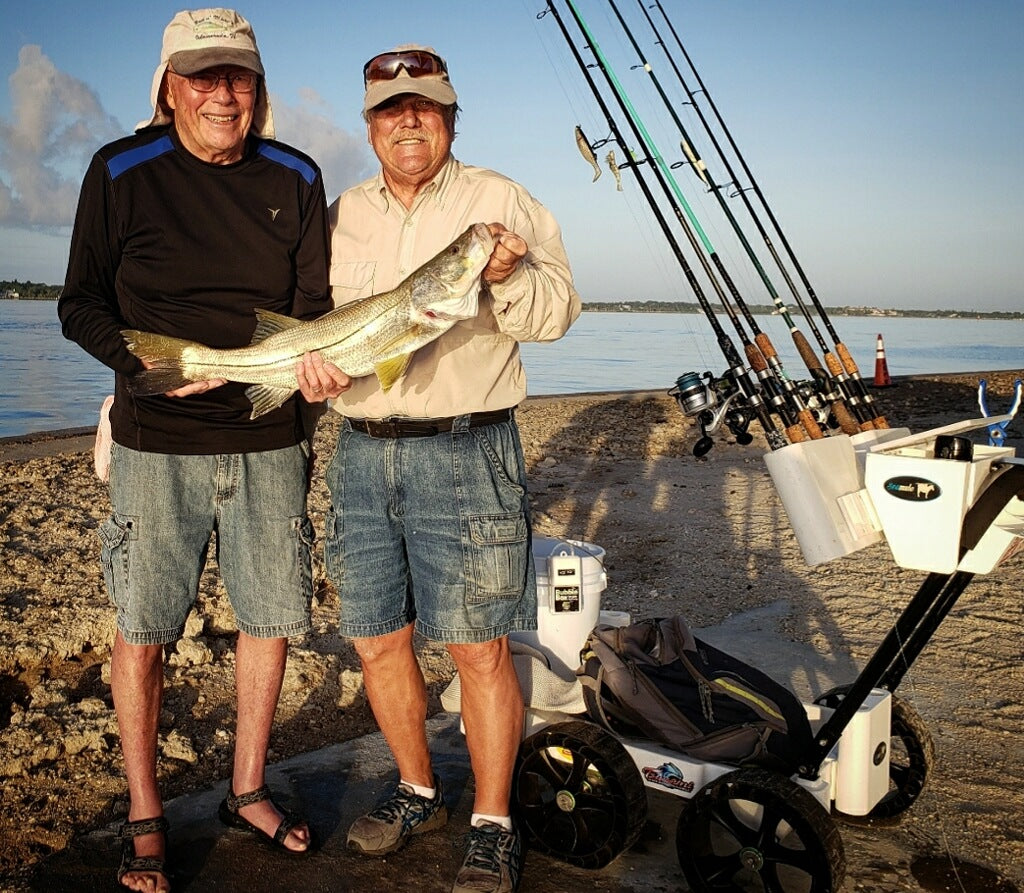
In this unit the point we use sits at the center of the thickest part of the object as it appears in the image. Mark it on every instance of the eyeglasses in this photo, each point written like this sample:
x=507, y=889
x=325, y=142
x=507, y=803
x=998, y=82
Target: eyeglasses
x=207, y=81
x=417, y=64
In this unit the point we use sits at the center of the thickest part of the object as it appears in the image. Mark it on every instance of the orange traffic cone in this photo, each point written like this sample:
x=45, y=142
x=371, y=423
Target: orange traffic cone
x=882, y=377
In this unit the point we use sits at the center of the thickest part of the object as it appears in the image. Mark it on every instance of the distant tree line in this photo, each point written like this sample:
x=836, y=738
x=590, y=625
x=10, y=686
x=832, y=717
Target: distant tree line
x=37, y=291
x=767, y=309
x=29, y=291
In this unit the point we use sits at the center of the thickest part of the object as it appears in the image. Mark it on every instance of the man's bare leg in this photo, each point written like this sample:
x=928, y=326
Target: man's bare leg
x=136, y=682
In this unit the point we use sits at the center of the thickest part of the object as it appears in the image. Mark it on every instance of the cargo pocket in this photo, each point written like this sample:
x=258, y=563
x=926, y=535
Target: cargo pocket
x=498, y=557
x=115, y=556
x=304, y=539
x=332, y=547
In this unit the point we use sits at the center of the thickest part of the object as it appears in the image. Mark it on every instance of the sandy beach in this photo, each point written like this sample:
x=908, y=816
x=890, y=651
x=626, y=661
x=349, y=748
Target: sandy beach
x=706, y=538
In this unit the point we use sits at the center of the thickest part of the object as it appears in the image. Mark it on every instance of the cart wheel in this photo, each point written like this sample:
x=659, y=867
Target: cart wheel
x=578, y=794
x=756, y=831
x=911, y=757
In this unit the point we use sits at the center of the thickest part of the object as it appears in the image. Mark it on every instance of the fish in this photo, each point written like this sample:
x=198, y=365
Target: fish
x=584, y=146
x=373, y=335
x=614, y=168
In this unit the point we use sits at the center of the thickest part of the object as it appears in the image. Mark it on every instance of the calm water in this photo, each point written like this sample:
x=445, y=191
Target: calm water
x=49, y=383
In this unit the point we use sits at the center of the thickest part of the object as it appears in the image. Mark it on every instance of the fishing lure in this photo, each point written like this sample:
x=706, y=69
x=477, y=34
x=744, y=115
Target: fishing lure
x=583, y=144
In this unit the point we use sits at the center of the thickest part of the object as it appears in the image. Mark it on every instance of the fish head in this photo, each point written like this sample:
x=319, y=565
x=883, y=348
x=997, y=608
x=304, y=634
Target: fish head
x=447, y=287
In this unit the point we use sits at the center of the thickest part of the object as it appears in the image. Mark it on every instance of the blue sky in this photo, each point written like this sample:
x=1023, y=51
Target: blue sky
x=887, y=135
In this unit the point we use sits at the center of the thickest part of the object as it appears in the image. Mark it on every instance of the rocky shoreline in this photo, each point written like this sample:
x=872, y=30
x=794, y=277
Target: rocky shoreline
x=700, y=537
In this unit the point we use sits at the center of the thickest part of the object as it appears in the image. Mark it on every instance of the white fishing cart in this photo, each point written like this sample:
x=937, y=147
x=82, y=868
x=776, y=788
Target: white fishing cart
x=943, y=504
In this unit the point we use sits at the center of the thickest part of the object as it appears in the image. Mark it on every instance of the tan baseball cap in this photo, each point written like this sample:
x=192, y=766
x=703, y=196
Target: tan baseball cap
x=433, y=86
x=198, y=39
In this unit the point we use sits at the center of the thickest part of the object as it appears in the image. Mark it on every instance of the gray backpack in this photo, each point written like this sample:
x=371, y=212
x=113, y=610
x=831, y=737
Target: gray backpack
x=655, y=680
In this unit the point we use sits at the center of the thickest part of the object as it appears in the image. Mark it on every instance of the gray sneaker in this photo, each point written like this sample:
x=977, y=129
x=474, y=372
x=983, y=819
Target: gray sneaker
x=494, y=858
x=404, y=813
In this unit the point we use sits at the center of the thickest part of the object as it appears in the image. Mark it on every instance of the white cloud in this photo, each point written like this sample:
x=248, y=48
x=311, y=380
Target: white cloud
x=344, y=157
x=57, y=123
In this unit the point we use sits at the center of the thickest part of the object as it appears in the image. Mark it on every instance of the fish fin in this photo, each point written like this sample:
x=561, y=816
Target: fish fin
x=269, y=323
x=157, y=349
x=157, y=381
x=163, y=353
x=265, y=398
x=389, y=371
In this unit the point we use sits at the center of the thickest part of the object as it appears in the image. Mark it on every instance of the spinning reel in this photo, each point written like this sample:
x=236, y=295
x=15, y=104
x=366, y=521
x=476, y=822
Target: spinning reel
x=713, y=402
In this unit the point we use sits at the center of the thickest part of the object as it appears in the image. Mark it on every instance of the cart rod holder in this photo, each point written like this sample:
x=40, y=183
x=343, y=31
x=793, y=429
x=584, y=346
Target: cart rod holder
x=918, y=622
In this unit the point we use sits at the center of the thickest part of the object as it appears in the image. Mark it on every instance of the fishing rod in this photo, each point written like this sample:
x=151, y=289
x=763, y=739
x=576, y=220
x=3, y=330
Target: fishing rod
x=832, y=389
x=845, y=362
x=762, y=354
x=738, y=375
x=865, y=415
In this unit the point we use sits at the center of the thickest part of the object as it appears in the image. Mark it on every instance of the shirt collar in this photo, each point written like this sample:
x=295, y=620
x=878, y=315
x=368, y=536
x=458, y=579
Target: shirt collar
x=438, y=189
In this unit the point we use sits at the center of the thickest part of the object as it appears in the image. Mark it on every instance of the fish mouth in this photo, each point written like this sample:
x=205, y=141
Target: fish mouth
x=482, y=234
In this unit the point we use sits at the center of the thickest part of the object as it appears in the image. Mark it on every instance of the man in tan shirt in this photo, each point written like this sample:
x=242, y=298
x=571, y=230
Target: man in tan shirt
x=429, y=528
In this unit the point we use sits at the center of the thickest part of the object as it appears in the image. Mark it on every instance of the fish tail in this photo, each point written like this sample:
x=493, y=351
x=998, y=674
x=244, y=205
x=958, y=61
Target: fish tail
x=164, y=356
x=157, y=381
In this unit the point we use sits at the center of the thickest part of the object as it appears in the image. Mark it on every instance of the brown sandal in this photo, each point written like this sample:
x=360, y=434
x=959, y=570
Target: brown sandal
x=229, y=809
x=144, y=864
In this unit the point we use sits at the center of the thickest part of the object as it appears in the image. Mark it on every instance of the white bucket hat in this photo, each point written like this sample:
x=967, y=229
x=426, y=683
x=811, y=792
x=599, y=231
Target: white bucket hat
x=198, y=39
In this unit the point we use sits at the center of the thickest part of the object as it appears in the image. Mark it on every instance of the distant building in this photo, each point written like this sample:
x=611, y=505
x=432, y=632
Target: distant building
x=9, y=294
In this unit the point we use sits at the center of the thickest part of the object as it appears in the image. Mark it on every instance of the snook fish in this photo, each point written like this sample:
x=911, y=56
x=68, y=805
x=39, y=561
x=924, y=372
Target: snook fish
x=377, y=334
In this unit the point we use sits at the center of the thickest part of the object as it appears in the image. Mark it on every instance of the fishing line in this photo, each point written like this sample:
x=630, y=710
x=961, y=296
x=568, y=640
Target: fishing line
x=833, y=382
x=643, y=227
x=781, y=391
x=842, y=367
x=738, y=376
x=768, y=365
x=700, y=170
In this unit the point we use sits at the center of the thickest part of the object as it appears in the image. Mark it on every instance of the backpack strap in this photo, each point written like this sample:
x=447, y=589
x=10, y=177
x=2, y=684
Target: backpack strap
x=590, y=674
x=617, y=693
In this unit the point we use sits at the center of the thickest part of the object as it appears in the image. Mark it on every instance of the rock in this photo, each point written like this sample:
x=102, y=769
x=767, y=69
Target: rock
x=190, y=652
x=350, y=686
x=178, y=747
x=194, y=625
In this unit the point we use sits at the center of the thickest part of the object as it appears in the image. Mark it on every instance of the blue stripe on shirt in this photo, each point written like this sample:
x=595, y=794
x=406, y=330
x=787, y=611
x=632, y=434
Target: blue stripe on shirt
x=273, y=153
x=139, y=155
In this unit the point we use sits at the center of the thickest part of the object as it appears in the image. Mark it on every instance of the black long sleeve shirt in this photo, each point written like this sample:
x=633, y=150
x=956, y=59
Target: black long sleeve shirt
x=164, y=242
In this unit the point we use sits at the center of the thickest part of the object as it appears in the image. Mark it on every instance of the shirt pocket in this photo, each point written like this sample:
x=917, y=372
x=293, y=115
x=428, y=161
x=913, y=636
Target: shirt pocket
x=351, y=279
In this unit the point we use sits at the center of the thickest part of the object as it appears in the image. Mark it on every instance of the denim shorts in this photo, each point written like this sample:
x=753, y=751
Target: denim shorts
x=164, y=510
x=432, y=530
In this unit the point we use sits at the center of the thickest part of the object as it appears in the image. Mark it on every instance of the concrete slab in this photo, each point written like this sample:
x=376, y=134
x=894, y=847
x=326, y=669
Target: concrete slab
x=334, y=785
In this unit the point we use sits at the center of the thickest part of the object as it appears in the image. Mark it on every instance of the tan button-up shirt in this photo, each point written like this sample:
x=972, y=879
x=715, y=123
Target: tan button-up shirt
x=475, y=366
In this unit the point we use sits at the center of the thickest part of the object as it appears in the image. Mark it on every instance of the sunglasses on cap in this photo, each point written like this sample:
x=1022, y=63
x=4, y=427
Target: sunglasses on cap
x=417, y=64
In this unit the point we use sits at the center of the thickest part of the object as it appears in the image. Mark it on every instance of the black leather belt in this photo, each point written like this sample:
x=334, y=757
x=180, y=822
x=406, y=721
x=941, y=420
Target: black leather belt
x=396, y=426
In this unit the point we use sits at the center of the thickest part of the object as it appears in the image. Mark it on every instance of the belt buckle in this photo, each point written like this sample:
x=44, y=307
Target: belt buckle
x=388, y=428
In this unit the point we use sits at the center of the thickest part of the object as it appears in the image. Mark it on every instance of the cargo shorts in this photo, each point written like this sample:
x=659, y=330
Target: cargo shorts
x=433, y=531
x=165, y=509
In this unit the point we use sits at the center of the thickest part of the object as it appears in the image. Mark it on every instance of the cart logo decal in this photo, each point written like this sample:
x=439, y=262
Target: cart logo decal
x=913, y=489
x=668, y=775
